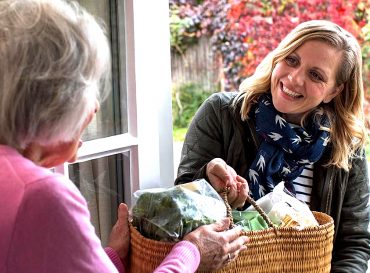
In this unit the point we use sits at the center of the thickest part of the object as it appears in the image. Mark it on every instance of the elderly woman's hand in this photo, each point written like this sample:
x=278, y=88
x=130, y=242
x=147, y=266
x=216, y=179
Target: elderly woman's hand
x=119, y=238
x=221, y=175
x=217, y=245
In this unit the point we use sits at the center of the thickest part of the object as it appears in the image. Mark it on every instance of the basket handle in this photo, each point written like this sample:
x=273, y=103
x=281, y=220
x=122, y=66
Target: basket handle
x=250, y=200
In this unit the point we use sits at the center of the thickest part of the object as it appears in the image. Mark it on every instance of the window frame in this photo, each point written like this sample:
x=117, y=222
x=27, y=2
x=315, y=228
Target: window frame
x=144, y=70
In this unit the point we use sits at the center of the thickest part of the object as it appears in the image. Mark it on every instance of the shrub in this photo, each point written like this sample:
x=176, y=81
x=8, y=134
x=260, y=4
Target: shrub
x=186, y=100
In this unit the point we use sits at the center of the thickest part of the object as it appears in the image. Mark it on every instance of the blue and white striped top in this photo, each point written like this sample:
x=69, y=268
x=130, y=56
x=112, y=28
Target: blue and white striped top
x=303, y=184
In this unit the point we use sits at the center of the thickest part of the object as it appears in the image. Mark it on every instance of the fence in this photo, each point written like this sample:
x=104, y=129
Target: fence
x=197, y=65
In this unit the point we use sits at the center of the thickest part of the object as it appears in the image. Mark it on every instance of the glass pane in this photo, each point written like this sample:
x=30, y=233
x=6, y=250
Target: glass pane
x=109, y=120
x=101, y=183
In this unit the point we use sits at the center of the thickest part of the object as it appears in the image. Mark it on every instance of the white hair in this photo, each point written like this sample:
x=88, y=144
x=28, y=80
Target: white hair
x=55, y=57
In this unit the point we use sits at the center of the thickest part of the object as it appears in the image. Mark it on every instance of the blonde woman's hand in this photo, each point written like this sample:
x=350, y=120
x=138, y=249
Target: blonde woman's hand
x=221, y=175
x=217, y=245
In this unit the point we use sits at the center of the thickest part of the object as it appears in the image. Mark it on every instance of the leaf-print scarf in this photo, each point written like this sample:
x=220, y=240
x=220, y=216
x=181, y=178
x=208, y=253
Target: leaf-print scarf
x=284, y=151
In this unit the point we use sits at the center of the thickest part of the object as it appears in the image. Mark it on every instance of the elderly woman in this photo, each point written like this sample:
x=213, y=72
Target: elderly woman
x=54, y=59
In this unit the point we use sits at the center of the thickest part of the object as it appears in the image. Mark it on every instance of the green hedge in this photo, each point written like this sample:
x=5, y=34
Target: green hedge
x=186, y=99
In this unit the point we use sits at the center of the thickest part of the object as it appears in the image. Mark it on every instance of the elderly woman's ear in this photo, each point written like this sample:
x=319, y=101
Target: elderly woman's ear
x=49, y=156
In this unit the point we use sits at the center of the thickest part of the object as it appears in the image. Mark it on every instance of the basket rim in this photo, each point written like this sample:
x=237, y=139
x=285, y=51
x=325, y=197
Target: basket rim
x=327, y=219
x=138, y=235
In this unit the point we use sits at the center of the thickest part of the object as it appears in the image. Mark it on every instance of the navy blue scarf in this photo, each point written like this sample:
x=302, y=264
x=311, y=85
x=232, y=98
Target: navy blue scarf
x=284, y=151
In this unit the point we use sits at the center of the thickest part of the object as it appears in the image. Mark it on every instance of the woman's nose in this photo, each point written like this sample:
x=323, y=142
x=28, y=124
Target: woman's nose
x=296, y=77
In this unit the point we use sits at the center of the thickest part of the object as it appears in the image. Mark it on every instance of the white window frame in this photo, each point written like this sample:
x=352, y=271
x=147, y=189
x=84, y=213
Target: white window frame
x=148, y=83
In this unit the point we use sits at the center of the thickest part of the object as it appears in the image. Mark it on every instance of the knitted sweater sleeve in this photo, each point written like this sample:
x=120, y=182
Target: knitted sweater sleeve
x=113, y=256
x=53, y=232
x=183, y=258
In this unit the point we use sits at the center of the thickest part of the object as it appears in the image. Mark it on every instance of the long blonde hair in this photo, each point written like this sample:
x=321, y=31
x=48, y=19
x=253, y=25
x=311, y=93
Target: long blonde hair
x=345, y=111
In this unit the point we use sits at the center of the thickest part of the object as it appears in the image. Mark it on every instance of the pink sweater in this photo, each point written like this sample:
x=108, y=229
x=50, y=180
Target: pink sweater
x=45, y=226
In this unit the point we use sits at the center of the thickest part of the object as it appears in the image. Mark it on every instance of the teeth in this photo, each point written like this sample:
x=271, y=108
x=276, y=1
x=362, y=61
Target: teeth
x=290, y=92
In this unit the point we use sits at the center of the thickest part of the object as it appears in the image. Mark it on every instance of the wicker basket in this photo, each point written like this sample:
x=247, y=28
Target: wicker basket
x=272, y=250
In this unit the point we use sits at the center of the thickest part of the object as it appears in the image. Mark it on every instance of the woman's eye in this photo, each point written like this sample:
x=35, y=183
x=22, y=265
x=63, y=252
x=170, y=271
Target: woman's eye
x=291, y=61
x=316, y=76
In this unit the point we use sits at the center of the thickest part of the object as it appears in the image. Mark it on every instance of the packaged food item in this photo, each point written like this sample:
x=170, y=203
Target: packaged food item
x=283, y=209
x=249, y=220
x=169, y=214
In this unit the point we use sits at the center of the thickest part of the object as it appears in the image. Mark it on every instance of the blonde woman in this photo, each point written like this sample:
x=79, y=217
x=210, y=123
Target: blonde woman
x=55, y=59
x=299, y=118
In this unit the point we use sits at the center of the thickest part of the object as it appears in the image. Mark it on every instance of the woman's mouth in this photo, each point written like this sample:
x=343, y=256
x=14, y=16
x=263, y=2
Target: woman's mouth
x=290, y=93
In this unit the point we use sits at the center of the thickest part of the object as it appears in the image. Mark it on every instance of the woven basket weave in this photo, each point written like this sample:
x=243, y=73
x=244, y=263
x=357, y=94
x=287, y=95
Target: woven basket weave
x=272, y=250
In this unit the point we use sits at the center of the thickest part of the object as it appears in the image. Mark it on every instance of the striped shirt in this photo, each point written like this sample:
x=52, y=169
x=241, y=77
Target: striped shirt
x=303, y=184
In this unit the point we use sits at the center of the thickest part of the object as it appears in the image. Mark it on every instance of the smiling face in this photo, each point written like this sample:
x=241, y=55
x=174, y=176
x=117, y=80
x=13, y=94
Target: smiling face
x=304, y=79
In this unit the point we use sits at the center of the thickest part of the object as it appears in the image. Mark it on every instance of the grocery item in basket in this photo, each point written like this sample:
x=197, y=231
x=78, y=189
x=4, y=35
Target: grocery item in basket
x=285, y=210
x=169, y=214
x=249, y=220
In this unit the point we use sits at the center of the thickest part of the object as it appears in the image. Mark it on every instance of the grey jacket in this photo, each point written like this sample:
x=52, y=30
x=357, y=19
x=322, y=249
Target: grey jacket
x=217, y=131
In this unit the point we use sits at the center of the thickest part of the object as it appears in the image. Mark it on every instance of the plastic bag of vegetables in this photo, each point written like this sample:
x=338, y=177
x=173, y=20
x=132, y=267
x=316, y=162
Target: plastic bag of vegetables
x=169, y=214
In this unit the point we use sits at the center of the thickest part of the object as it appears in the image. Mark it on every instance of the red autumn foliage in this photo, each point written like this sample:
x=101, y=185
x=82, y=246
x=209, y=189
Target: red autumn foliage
x=263, y=24
x=244, y=31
